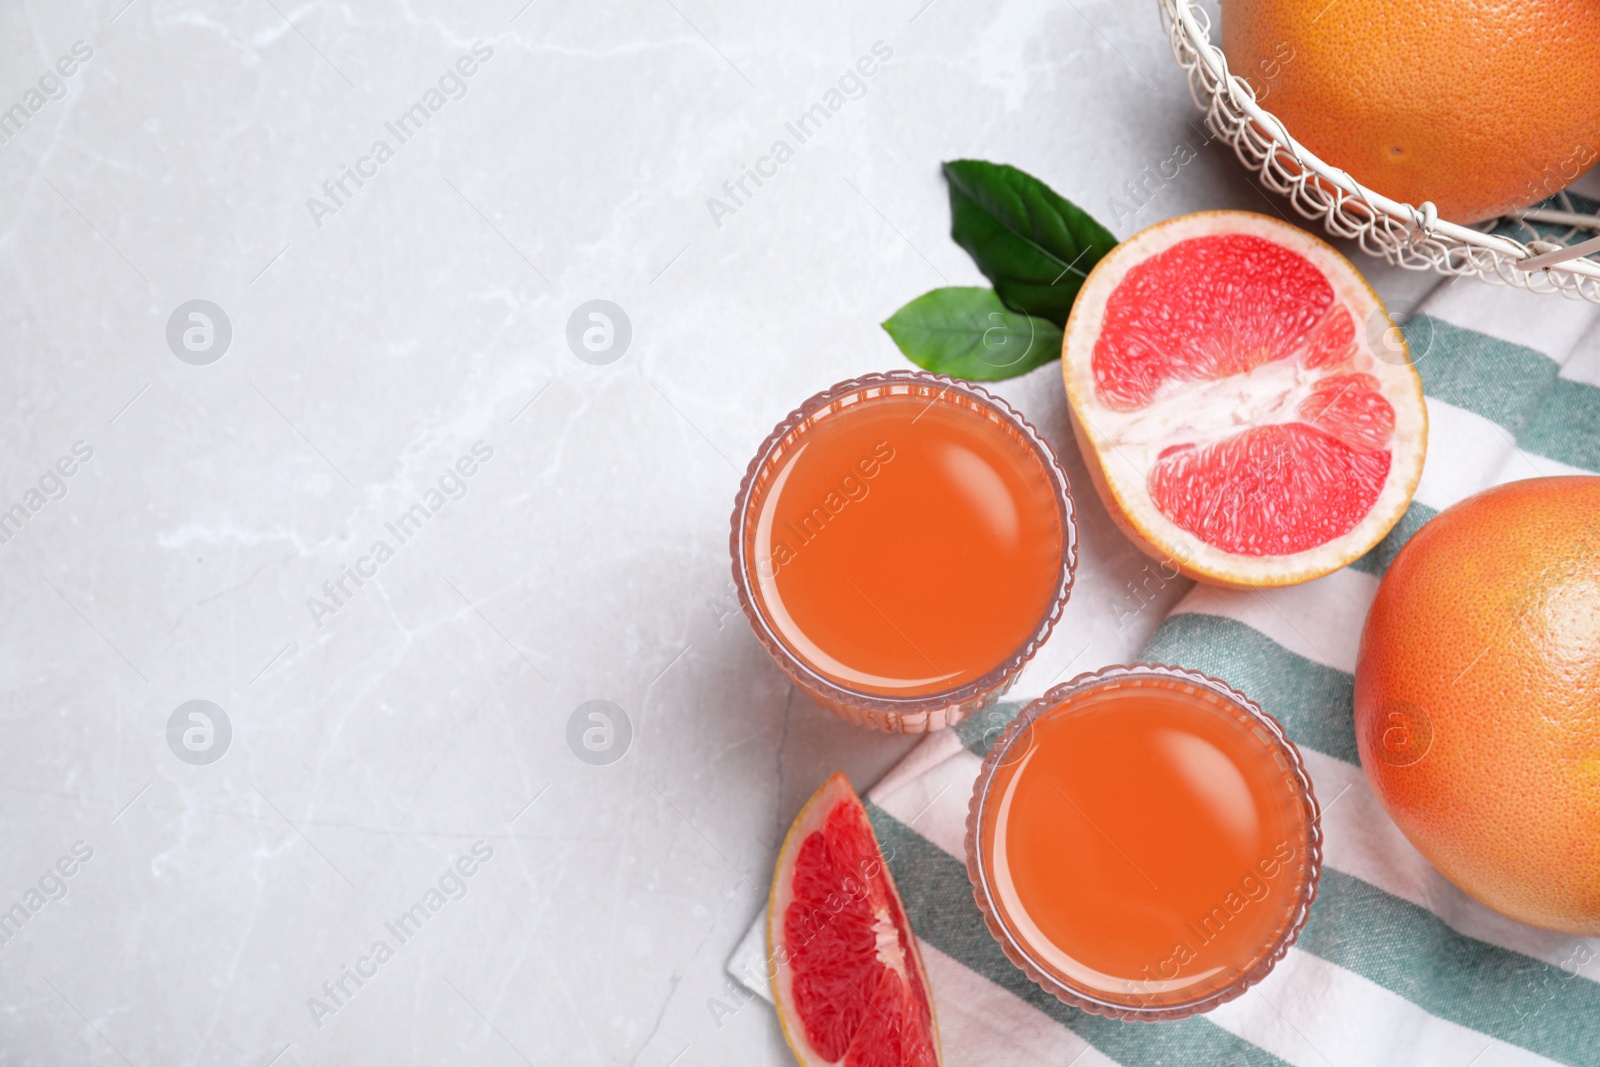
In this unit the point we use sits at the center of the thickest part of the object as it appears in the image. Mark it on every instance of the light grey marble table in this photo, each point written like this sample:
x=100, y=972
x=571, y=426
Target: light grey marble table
x=389, y=213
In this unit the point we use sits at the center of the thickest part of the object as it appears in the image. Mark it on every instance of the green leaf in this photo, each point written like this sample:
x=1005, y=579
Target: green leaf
x=1033, y=244
x=968, y=333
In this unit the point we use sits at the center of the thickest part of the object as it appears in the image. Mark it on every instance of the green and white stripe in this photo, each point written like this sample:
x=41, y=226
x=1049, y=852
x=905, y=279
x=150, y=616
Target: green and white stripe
x=1396, y=966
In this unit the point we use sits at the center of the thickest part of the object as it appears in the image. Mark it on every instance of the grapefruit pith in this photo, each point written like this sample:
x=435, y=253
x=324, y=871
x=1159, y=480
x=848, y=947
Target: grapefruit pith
x=846, y=974
x=1245, y=406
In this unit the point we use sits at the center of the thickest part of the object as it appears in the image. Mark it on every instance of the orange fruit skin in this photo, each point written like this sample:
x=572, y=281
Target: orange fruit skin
x=1477, y=698
x=1480, y=107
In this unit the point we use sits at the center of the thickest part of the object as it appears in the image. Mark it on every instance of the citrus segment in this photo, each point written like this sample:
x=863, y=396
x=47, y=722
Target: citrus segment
x=1234, y=419
x=1273, y=490
x=1351, y=408
x=847, y=977
x=1206, y=308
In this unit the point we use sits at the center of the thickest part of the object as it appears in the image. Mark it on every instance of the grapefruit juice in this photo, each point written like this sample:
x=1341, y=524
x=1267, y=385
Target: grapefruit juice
x=1146, y=842
x=902, y=545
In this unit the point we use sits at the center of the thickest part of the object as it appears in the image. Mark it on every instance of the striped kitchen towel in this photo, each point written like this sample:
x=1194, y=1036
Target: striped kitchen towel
x=1396, y=967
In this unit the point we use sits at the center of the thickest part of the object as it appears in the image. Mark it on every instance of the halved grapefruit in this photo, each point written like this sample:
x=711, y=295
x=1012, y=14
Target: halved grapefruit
x=846, y=975
x=1246, y=407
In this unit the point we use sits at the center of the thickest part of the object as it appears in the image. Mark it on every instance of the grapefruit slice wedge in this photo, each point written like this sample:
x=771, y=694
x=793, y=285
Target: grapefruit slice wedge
x=846, y=974
x=1247, y=410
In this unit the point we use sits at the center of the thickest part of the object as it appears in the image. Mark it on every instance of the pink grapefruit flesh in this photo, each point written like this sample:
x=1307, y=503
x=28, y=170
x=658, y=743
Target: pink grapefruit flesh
x=847, y=977
x=1246, y=407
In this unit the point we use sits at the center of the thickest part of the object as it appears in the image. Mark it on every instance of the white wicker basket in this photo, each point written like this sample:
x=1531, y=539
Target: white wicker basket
x=1414, y=237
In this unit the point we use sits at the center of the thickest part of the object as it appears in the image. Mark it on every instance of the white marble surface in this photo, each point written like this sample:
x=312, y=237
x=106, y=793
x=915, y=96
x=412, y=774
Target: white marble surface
x=372, y=345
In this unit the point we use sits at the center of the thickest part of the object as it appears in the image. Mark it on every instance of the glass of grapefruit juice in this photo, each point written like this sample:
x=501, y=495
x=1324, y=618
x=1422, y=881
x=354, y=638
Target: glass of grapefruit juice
x=1144, y=843
x=902, y=545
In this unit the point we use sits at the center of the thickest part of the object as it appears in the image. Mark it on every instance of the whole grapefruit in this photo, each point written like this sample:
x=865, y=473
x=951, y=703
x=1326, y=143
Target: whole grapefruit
x=1477, y=698
x=1480, y=107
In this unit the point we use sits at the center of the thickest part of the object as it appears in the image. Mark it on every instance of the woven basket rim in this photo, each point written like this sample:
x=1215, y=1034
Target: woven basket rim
x=1412, y=236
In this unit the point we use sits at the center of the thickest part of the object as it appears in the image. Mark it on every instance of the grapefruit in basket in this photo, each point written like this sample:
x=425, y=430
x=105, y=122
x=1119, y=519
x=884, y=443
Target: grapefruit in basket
x=1244, y=404
x=1479, y=107
x=846, y=975
x=1477, y=698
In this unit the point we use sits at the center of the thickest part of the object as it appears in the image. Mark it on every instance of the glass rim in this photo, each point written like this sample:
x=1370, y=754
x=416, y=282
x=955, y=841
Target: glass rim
x=801, y=672
x=1019, y=952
